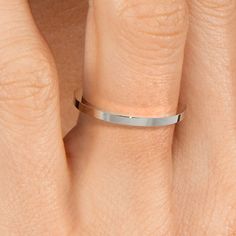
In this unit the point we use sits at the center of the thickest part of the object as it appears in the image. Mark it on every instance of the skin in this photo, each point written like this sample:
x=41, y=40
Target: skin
x=141, y=57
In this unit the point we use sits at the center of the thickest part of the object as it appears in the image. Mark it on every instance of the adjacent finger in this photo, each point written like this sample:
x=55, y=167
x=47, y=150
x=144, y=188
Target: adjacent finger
x=207, y=138
x=133, y=65
x=33, y=175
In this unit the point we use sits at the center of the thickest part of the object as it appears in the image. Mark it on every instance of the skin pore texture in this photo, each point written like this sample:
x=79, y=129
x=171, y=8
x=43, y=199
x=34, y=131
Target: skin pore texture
x=132, y=56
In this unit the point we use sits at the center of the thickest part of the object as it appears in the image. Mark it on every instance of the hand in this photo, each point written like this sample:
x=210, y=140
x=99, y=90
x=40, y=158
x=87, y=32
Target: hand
x=113, y=180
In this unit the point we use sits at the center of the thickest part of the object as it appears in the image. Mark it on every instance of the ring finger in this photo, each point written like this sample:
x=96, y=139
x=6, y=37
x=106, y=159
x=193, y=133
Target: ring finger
x=133, y=65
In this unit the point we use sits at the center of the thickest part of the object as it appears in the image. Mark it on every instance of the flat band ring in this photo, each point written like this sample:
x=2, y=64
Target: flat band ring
x=86, y=108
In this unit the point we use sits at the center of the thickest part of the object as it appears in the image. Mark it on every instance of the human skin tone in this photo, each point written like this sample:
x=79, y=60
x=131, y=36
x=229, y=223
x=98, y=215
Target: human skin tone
x=112, y=180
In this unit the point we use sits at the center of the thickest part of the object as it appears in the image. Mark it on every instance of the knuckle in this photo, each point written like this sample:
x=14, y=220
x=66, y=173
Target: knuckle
x=216, y=4
x=28, y=81
x=148, y=31
x=220, y=9
x=151, y=19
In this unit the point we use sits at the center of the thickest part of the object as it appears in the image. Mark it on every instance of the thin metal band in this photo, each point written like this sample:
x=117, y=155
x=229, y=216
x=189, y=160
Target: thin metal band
x=113, y=118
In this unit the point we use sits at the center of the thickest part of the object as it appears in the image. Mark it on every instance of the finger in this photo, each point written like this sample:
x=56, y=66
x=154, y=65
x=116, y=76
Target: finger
x=133, y=66
x=33, y=177
x=209, y=88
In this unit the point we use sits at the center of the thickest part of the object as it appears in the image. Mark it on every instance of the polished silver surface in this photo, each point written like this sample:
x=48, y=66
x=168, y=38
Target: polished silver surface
x=119, y=119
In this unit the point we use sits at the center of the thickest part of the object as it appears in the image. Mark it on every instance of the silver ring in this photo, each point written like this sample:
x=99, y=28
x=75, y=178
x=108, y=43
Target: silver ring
x=119, y=119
